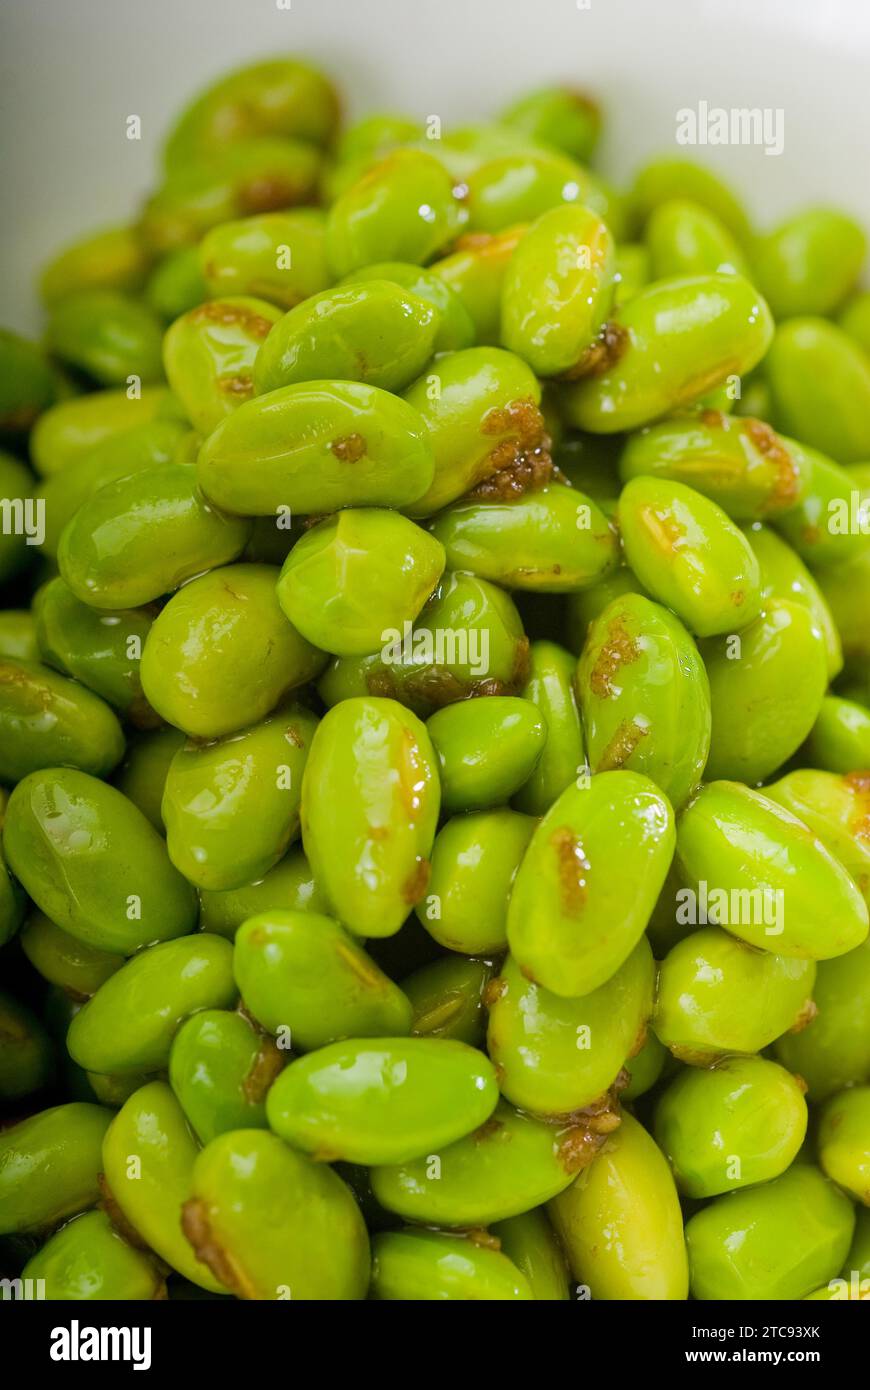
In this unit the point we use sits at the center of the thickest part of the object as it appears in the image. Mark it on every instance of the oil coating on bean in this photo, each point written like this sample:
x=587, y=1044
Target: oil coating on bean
x=435, y=713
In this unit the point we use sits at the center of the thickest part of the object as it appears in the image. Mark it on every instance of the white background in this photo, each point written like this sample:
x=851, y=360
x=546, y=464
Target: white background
x=71, y=71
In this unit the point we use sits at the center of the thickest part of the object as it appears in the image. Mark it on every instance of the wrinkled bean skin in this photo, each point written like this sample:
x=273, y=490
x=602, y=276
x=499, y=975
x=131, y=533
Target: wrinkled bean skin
x=475, y=271
x=835, y=809
x=468, y=640
x=354, y=578
x=454, y=328
x=794, y=1233
x=703, y=984
x=746, y=1109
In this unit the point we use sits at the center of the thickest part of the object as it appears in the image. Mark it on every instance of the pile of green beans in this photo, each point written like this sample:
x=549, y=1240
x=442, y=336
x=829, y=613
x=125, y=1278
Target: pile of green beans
x=435, y=726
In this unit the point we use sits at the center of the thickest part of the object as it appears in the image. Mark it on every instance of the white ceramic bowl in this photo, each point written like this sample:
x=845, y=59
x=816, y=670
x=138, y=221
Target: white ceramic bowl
x=72, y=73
